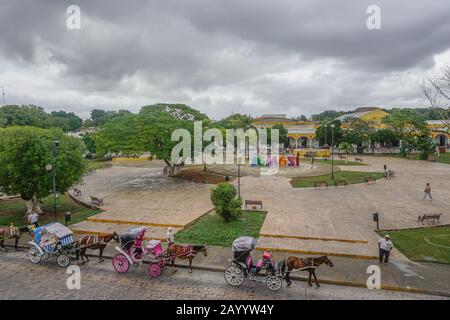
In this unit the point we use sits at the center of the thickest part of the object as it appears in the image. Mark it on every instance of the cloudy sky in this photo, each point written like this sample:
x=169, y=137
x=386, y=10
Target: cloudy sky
x=221, y=56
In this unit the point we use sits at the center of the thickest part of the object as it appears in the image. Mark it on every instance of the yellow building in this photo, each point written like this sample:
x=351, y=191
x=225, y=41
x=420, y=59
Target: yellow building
x=302, y=134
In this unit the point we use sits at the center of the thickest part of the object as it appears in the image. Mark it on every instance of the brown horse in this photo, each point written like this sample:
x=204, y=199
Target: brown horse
x=184, y=252
x=308, y=264
x=11, y=233
x=94, y=243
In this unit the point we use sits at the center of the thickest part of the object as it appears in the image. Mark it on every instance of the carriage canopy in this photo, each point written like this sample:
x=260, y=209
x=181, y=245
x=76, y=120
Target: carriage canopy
x=58, y=229
x=244, y=244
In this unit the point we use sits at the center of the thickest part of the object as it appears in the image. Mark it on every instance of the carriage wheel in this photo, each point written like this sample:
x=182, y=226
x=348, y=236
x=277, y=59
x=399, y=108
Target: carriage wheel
x=63, y=260
x=34, y=255
x=154, y=270
x=120, y=263
x=234, y=276
x=273, y=283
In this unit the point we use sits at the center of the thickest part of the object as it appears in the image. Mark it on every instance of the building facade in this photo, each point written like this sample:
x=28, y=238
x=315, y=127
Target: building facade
x=302, y=134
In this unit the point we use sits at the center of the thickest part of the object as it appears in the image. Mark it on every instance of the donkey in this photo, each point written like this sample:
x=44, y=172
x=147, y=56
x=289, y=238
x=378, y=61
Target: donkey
x=309, y=264
x=96, y=243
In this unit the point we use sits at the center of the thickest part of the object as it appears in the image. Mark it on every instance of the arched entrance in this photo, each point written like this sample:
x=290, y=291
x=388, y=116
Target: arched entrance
x=302, y=142
x=441, y=140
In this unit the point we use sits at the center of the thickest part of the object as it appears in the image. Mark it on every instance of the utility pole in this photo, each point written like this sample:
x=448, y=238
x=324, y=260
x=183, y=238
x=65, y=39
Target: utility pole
x=332, y=149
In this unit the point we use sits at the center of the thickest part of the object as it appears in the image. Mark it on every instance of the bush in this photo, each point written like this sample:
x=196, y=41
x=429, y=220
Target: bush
x=225, y=202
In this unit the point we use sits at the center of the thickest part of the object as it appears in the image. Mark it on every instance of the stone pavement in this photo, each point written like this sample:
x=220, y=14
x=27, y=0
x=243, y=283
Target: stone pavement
x=20, y=279
x=305, y=217
x=397, y=275
x=142, y=196
x=332, y=221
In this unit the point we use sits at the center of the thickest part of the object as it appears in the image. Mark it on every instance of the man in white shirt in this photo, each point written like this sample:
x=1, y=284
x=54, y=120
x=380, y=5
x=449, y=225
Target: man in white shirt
x=385, y=246
x=33, y=218
x=169, y=235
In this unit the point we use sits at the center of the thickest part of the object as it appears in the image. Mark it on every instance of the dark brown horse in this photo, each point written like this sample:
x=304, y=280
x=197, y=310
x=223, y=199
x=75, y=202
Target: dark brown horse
x=11, y=233
x=189, y=252
x=309, y=264
x=95, y=243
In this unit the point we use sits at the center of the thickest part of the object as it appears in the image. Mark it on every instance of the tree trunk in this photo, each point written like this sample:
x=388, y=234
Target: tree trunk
x=34, y=205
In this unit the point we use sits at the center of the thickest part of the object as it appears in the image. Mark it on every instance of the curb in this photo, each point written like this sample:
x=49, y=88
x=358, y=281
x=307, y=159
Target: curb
x=140, y=223
x=304, y=279
x=311, y=238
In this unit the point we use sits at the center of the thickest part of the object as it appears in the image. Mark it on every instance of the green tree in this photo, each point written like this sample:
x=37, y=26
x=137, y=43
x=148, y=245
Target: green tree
x=283, y=134
x=89, y=142
x=119, y=135
x=157, y=122
x=357, y=131
x=25, y=115
x=346, y=148
x=225, y=202
x=385, y=136
x=324, y=132
x=426, y=147
x=406, y=123
x=25, y=152
x=67, y=121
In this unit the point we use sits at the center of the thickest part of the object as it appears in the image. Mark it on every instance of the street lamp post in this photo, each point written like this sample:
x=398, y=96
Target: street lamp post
x=239, y=178
x=332, y=153
x=54, y=150
x=325, y=125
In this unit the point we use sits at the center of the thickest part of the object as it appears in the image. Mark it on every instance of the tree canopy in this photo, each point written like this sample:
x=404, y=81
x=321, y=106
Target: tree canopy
x=30, y=115
x=25, y=152
x=406, y=123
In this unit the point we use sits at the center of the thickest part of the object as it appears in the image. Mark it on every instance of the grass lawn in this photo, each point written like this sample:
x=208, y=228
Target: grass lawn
x=14, y=211
x=211, y=229
x=339, y=162
x=412, y=243
x=351, y=177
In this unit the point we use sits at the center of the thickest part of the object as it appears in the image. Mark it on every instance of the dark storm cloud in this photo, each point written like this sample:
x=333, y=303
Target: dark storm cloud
x=249, y=56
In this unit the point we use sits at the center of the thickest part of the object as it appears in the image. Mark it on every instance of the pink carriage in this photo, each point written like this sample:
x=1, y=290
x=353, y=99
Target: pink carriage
x=133, y=251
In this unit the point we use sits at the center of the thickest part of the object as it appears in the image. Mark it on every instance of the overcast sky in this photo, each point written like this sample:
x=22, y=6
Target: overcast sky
x=221, y=56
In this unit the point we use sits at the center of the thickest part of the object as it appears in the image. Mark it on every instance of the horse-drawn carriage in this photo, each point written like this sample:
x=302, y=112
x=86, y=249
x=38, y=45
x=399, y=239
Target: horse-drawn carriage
x=242, y=266
x=134, y=250
x=53, y=239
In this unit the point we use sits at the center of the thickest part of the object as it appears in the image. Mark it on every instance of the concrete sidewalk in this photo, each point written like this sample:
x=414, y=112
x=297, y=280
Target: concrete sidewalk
x=398, y=275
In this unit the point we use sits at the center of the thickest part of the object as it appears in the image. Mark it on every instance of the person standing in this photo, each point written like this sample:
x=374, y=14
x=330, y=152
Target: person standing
x=170, y=236
x=385, y=246
x=33, y=218
x=427, y=191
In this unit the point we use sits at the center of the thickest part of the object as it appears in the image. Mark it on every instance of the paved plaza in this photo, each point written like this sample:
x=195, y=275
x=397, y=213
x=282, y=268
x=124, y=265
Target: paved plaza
x=24, y=280
x=333, y=220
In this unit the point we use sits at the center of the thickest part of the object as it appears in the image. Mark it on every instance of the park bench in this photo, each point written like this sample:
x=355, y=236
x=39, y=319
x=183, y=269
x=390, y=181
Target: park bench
x=434, y=217
x=320, y=184
x=76, y=192
x=369, y=180
x=96, y=201
x=254, y=203
x=341, y=182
